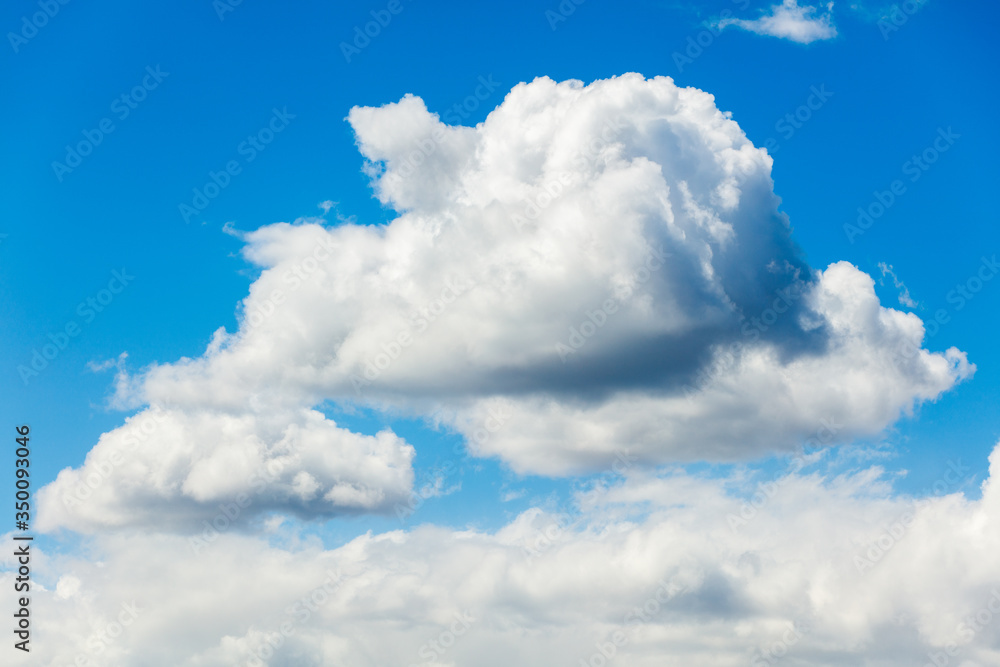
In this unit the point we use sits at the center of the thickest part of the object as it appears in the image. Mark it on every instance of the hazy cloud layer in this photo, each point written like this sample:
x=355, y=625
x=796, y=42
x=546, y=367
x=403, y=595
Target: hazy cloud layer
x=813, y=567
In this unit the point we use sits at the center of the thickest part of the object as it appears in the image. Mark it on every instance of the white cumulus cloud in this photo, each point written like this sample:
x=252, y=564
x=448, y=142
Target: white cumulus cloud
x=179, y=468
x=607, y=260
x=597, y=276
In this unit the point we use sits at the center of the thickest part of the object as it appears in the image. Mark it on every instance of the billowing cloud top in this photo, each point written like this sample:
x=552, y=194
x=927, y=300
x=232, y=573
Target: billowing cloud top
x=590, y=270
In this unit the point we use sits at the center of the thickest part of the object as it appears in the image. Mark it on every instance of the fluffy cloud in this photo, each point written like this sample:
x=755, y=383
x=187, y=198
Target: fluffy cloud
x=802, y=24
x=748, y=401
x=567, y=196
x=186, y=467
x=813, y=567
x=607, y=262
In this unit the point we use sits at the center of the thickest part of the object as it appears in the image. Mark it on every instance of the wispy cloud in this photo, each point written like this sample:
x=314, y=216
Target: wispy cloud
x=803, y=24
x=904, y=292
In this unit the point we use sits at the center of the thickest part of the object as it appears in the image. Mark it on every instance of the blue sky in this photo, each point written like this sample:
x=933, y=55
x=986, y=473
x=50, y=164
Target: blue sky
x=119, y=208
x=223, y=75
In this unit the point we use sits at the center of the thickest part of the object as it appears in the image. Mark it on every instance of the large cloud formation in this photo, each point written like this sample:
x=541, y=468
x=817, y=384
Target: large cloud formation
x=812, y=567
x=595, y=276
x=609, y=261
